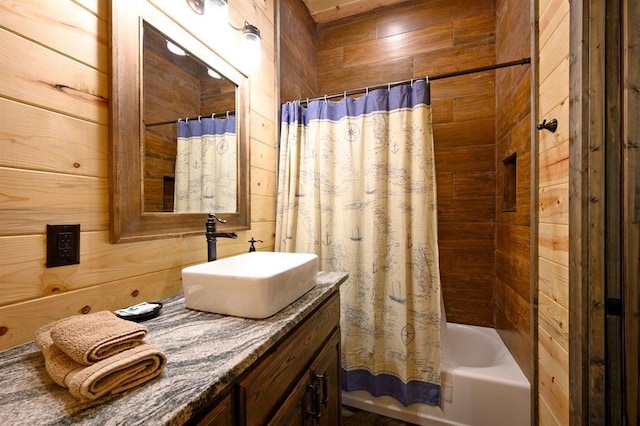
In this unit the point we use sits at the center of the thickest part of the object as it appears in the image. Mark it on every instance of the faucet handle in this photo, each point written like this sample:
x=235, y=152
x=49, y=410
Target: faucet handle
x=213, y=216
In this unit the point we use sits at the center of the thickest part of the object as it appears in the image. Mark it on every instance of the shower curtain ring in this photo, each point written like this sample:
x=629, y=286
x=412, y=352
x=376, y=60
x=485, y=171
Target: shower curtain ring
x=199, y=117
x=213, y=115
x=345, y=94
x=325, y=98
x=227, y=114
x=389, y=87
x=186, y=120
x=366, y=89
x=426, y=79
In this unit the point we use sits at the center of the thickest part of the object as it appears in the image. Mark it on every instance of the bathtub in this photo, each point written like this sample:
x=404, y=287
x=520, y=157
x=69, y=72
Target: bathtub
x=482, y=385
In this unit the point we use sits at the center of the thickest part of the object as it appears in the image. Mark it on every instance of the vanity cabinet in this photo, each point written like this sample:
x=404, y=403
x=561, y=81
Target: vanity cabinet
x=282, y=370
x=297, y=382
x=315, y=400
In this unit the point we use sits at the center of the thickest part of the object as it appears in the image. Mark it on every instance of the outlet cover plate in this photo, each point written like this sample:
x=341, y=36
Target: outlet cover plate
x=63, y=245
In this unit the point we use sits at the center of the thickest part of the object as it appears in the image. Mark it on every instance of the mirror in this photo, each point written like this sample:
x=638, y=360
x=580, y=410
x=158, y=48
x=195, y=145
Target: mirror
x=151, y=89
x=190, y=144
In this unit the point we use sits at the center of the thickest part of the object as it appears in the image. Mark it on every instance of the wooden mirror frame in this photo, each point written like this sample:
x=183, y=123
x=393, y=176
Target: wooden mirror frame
x=128, y=221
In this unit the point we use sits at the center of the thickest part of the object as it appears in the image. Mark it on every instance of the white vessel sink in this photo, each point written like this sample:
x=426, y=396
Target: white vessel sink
x=250, y=285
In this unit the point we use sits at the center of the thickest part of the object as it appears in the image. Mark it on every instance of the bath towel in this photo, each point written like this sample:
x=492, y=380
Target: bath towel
x=115, y=374
x=93, y=337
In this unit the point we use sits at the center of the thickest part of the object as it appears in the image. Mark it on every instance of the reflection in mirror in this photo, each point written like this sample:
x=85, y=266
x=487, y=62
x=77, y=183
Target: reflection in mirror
x=135, y=214
x=190, y=144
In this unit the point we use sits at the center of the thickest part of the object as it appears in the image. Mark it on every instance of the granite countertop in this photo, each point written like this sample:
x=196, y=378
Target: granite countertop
x=205, y=353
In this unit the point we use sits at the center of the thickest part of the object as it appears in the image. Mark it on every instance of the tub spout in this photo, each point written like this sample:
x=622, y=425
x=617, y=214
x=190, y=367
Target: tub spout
x=212, y=236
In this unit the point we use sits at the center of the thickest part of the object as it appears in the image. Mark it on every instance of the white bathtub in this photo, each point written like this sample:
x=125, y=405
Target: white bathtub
x=482, y=385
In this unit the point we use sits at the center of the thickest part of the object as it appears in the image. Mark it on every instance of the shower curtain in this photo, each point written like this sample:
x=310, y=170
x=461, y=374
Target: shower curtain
x=206, y=166
x=356, y=186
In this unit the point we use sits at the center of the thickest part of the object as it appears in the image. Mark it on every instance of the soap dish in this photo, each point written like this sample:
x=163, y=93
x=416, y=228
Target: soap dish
x=140, y=312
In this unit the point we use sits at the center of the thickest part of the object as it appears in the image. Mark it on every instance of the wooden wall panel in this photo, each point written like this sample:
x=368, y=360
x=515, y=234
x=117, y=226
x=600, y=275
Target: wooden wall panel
x=73, y=33
x=553, y=214
x=326, y=10
x=513, y=136
x=53, y=164
x=39, y=76
x=413, y=40
x=36, y=139
x=631, y=282
x=298, y=69
x=512, y=319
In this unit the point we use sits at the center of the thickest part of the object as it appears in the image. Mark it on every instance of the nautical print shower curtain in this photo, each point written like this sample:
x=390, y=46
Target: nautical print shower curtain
x=356, y=186
x=206, y=166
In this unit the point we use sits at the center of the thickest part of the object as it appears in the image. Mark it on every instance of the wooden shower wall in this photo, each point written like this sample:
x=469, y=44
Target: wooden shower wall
x=413, y=40
x=513, y=137
x=298, y=69
x=54, y=137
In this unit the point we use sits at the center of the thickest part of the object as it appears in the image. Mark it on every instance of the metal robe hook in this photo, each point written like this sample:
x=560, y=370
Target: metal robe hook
x=551, y=126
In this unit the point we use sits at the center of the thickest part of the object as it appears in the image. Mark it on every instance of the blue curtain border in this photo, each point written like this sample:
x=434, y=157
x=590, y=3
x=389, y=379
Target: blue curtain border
x=206, y=126
x=397, y=97
x=414, y=392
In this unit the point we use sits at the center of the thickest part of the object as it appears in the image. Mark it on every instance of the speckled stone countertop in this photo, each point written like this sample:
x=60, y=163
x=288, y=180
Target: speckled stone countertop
x=205, y=353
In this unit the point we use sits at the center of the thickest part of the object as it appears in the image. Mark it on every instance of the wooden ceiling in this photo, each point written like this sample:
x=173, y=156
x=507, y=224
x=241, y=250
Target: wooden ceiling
x=330, y=10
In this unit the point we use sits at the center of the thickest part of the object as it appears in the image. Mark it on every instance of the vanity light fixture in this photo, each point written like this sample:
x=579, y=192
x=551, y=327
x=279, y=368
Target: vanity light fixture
x=219, y=11
x=175, y=49
x=218, y=6
x=213, y=74
x=251, y=42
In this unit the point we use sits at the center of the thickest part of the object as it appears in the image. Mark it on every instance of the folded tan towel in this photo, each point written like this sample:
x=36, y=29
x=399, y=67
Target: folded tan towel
x=93, y=337
x=117, y=373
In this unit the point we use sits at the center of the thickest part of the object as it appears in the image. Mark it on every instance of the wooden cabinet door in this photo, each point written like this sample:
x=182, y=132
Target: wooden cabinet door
x=326, y=372
x=263, y=390
x=220, y=415
x=315, y=400
x=293, y=410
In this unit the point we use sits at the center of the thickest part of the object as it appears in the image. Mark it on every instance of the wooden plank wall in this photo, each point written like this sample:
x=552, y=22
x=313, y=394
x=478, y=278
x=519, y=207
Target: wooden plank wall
x=54, y=90
x=553, y=211
x=327, y=10
x=298, y=69
x=513, y=228
x=632, y=208
x=429, y=37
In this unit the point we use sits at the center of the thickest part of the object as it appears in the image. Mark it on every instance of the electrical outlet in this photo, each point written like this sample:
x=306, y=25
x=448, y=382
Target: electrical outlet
x=63, y=245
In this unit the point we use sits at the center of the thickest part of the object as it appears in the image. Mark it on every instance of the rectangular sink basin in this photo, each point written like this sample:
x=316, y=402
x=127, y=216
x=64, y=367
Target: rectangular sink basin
x=250, y=285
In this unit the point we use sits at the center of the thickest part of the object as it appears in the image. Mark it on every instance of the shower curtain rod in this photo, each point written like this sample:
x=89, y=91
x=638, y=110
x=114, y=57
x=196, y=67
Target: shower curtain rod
x=163, y=123
x=523, y=61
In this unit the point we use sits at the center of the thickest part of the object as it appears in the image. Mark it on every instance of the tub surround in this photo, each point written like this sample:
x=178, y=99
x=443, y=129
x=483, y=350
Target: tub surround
x=206, y=353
